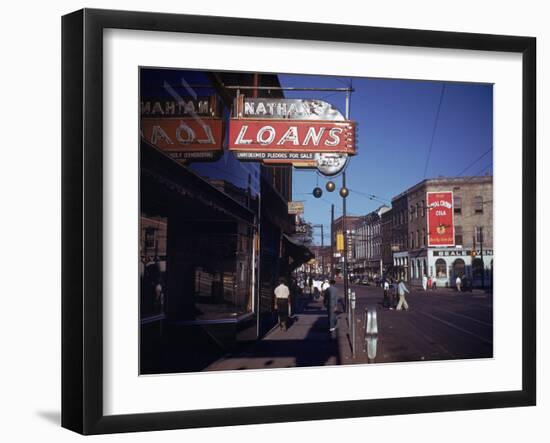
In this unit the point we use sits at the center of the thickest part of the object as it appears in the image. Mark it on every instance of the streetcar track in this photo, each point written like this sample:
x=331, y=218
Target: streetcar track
x=458, y=328
x=481, y=322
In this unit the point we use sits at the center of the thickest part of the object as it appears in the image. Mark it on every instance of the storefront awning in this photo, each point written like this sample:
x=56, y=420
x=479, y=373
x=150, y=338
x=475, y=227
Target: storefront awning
x=299, y=253
x=180, y=182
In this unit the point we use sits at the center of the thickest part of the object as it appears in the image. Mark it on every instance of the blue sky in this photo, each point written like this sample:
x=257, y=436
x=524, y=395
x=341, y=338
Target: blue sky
x=396, y=121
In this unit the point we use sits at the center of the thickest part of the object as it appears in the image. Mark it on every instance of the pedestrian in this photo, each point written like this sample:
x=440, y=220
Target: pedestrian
x=425, y=282
x=310, y=284
x=386, y=303
x=332, y=304
x=282, y=296
x=401, y=291
x=458, y=283
x=324, y=286
x=430, y=282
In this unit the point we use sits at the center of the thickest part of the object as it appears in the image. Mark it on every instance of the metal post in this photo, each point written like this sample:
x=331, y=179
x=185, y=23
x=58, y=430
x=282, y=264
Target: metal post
x=352, y=304
x=258, y=283
x=332, y=242
x=481, y=253
x=345, y=234
x=322, y=250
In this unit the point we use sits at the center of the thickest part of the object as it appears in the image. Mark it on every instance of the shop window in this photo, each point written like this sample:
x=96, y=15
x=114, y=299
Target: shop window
x=477, y=268
x=458, y=235
x=478, y=204
x=457, y=204
x=150, y=238
x=440, y=268
x=459, y=268
x=478, y=230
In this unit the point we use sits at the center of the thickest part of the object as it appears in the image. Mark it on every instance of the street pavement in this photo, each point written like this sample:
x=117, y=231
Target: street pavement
x=440, y=325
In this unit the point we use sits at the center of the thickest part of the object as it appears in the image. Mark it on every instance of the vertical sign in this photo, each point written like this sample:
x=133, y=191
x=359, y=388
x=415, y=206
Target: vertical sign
x=441, y=230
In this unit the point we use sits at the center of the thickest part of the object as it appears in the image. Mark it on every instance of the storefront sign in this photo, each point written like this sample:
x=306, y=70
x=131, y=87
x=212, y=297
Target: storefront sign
x=304, y=133
x=296, y=207
x=184, y=138
x=440, y=218
x=462, y=253
x=183, y=107
x=285, y=108
x=292, y=136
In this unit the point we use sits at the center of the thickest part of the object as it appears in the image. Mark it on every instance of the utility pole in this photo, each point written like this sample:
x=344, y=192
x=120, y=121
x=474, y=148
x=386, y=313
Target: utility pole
x=322, y=251
x=344, y=227
x=344, y=230
x=482, y=261
x=332, y=241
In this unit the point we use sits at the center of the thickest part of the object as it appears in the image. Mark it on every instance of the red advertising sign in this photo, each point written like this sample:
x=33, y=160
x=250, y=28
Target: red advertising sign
x=279, y=136
x=441, y=230
x=184, y=138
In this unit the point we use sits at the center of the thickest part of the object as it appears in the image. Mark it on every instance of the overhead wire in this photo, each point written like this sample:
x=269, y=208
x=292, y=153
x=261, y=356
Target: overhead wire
x=434, y=130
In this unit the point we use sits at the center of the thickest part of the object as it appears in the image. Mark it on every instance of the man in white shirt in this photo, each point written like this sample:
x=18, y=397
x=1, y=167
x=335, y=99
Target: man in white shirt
x=401, y=291
x=458, y=283
x=282, y=296
x=386, y=303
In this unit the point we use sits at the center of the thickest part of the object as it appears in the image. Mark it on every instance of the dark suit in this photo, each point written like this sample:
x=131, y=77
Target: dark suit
x=331, y=294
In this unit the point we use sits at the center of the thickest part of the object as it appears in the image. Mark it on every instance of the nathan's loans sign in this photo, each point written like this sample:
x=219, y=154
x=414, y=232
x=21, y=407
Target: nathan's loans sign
x=304, y=133
x=441, y=231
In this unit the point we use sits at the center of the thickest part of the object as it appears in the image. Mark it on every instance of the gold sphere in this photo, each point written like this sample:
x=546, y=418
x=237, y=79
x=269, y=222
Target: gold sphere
x=344, y=192
x=330, y=186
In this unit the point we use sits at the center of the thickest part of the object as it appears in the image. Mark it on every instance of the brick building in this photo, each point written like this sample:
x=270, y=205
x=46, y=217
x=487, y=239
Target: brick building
x=341, y=224
x=471, y=255
x=368, y=243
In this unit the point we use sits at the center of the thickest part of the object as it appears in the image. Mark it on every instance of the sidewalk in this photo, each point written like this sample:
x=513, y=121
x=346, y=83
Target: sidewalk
x=307, y=342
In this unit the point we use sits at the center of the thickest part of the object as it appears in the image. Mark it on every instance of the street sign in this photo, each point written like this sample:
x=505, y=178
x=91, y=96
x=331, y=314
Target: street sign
x=295, y=207
x=340, y=241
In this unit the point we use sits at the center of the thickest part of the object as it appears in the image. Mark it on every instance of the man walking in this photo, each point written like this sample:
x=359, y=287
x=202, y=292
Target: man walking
x=458, y=283
x=386, y=302
x=331, y=294
x=401, y=291
x=282, y=295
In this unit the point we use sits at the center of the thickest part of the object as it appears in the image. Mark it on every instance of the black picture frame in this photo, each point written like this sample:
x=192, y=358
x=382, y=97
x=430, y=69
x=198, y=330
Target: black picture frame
x=82, y=218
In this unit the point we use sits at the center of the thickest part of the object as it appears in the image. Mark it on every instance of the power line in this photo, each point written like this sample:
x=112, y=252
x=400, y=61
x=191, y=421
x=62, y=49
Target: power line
x=434, y=129
x=474, y=162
